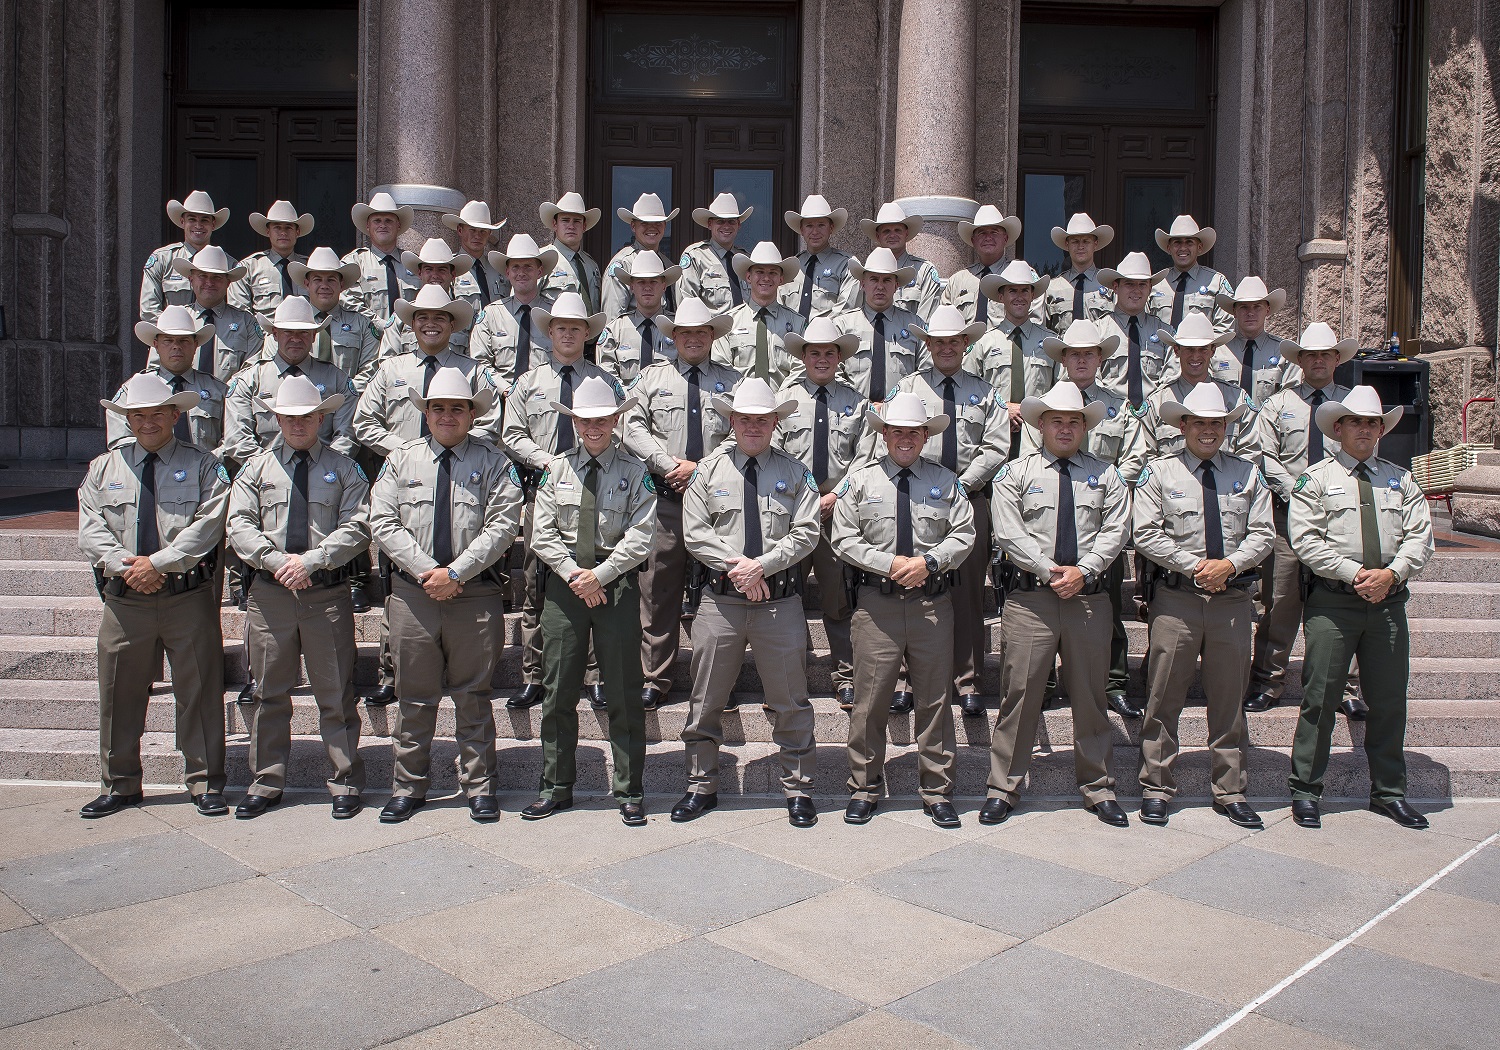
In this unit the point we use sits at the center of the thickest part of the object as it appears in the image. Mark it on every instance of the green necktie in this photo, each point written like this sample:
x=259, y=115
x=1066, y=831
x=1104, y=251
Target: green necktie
x=762, y=347
x=1369, y=528
x=588, y=516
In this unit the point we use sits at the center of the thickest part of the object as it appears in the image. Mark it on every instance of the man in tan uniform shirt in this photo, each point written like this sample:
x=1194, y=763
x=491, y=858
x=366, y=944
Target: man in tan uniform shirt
x=708, y=266
x=268, y=278
x=1189, y=285
x=1075, y=294
x=238, y=338
x=648, y=219
x=892, y=228
x=755, y=341
x=989, y=234
x=575, y=270
x=889, y=347
x=632, y=341
x=174, y=341
x=161, y=286
x=485, y=282
x=383, y=279
x=351, y=340
x=1011, y=356
x=509, y=339
x=823, y=287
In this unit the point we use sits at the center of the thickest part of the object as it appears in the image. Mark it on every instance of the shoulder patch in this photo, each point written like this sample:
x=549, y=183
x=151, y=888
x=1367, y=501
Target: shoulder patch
x=843, y=488
x=361, y=472
x=1120, y=476
x=539, y=481
x=1261, y=474
x=223, y=473
x=1301, y=483
x=812, y=482
x=1004, y=470
x=650, y=485
x=478, y=316
x=693, y=476
x=151, y=261
x=686, y=259
x=515, y=475
x=1144, y=477
x=385, y=468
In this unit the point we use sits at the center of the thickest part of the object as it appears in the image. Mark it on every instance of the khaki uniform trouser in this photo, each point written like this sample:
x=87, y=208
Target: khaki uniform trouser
x=663, y=580
x=1036, y=627
x=458, y=642
x=833, y=601
x=777, y=632
x=531, y=623
x=887, y=629
x=186, y=626
x=283, y=628
x=968, y=609
x=1186, y=624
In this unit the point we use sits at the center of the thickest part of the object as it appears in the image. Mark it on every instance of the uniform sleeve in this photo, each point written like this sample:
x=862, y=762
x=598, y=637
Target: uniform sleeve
x=487, y=426
x=953, y=548
x=369, y=350
x=635, y=545
x=353, y=534
x=116, y=430
x=204, y=532
x=385, y=525
x=690, y=284
x=801, y=538
x=1150, y=527
x=993, y=449
x=1010, y=530
x=502, y=523
x=614, y=296
x=1246, y=441
x=370, y=428
x=547, y=542
x=698, y=533
x=240, y=294
x=1134, y=448
x=343, y=419
x=94, y=536
x=1307, y=532
x=513, y=432
x=1114, y=530
x=931, y=287
x=847, y=538
x=1269, y=451
x=153, y=299
x=243, y=525
x=1417, y=545
x=239, y=418
x=1260, y=532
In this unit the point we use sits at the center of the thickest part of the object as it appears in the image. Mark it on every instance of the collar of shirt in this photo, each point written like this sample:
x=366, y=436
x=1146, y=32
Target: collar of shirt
x=605, y=459
x=1331, y=392
x=134, y=453
x=285, y=452
x=683, y=365
x=557, y=364
x=1070, y=274
x=460, y=450
x=1194, y=464
x=382, y=256
x=870, y=314
x=307, y=364
x=1051, y=459
x=892, y=468
x=739, y=459
x=1349, y=463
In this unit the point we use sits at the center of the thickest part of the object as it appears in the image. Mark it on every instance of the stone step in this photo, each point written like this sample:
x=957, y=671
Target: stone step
x=1454, y=567
x=47, y=473
x=45, y=578
x=39, y=545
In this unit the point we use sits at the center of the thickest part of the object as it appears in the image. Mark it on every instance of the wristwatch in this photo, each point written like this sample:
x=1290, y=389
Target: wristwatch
x=932, y=564
x=452, y=575
x=1089, y=579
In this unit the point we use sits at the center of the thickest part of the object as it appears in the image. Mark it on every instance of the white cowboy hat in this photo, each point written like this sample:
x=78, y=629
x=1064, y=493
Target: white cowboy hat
x=647, y=208
x=816, y=207
x=450, y=384
x=1064, y=397
x=569, y=307
x=432, y=297
x=208, y=259
x=296, y=314
x=648, y=264
x=1253, y=290
x=767, y=254
x=989, y=215
x=594, y=399
x=435, y=252
x=949, y=321
x=149, y=390
x=174, y=320
x=1017, y=274
x=196, y=203
x=298, y=396
x=907, y=410
x=723, y=207
x=891, y=214
x=323, y=260
x=1204, y=401
x=570, y=203
x=820, y=330
x=882, y=261
x=1134, y=267
x=1080, y=225
x=1361, y=401
x=1187, y=226
x=693, y=312
x=1195, y=330
x=523, y=246
x=382, y=204
x=1318, y=336
x=281, y=211
x=753, y=396
x=1082, y=334
x=475, y=214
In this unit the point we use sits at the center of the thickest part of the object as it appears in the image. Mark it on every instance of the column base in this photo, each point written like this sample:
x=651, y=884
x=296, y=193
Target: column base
x=1476, y=502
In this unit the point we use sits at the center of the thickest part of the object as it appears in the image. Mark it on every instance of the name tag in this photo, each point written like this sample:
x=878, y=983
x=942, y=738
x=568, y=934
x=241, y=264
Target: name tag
x=1034, y=490
x=564, y=484
x=1335, y=490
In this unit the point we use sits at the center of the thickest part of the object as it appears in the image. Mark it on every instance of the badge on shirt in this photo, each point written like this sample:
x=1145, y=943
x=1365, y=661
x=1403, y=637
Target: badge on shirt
x=1145, y=473
x=1394, y=484
x=331, y=477
x=1093, y=481
x=781, y=486
x=398, y=382
x=1301, y=483
x=1335, y=490
x=413, y=483
x=1239, y=486
x=1275, y=360
x=718, y=388
x=1111, y=412
x=973, y=399
x=1004, y=470
x=848, y=410
x=346, y=328
x=650, y=485
x=934, y=492
x=234, y=326
x=828, y=272
x=119, y=484
x=203, y=393
x=843, y=488
x=905, y=334
x=321, y=388
x=721, y=492
x=473, y=477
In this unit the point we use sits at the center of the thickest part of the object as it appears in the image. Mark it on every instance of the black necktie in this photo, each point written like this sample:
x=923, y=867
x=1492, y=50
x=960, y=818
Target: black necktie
x=694, y=450
x=588, y=517
x=146, y=539
x=754, y=543
x=1213, y=523
x=523, y=345
x=181, y=431
x=1017, y=385
x=1247, y=370
x=1314, y=432
x=1065, y=550
x=762, y=344
x=584, y=287
x=442, y=510
x=392, y=286
x=296, y=514
x=565, y=421
x=1134, y=382
x=805, y=307
x=820, y=435
x=295, y=370
x=1078, y=283
x=950, y=433
x=1179, y=300
x=286, y=282
x=734, y=280
x=648, y=341
x=877, y=361
x=483, y=282
x=429, y=369
x=904, y=546
x=982, y=301
x=206, y=351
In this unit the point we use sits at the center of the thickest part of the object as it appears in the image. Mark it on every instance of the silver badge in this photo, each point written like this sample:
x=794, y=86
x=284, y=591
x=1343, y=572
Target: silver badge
x=718, y=388
x=330, y=477
x=973, y=399
x=203, y=393
x=1093, y=481
x=1394, y=483
x=1238, y=485
x=346, y=328
x=624, y=484
x=235, y=327
x=1111, y=413
x=1275, y=360
x=781, y=486
x=180, y=475
x=934, y=492
x=474, y=476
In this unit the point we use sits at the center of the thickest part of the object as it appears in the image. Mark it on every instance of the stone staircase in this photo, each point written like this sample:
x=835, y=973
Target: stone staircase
x=50, y=615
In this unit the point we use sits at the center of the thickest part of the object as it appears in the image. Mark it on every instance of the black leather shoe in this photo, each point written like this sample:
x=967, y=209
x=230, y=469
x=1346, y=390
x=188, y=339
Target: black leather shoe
x=846, y=697
x=971, y=705
x=632, y=814
x=1240, y=813
x=211, y=804
x=1401, y=812
x=1123, y=706
x=345, y=806
x=596, y=697
x=859, y=811
x=238, y=599
x=545, y=807
x=693, y=805
x=400, y=808
x=801, y=812
x=484, y=809
x=902, y=702
x=1305, y=813
x=994, y=811
x=943, y=814
x=359, y=599
x=1154, y=811
x=252, y=806
x=104, y=805
x=651, y=699
x=1051, y=696
x=1260, y=702
x=247, y=693
x=1109, y=812
x=529, y=695
x=381, y=696
x=231, y=597
x=1354, y=708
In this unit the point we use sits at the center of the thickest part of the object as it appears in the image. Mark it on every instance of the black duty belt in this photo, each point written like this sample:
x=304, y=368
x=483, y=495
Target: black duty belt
x=1022, y=580
x=489, y=575
x=665, y=491
x=320, y=578
x=935, y=584
x=173, y=582
x=1185, y=581
x=783, y=584
x=1340, y=587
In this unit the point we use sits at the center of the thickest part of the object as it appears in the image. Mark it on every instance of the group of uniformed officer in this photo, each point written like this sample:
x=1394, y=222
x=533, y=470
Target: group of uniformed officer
x=897, y=434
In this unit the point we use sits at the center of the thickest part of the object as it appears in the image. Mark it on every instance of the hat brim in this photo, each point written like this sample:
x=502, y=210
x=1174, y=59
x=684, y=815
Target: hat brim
x=453, y=219
x=183, y=402
x=971, y=331
x=331, y=403
x=624, y=406
x=790, y=268
x=546, y=258
x=482, y=399
x=182, y=264
x=1104, y=234
x=839, y=216
x=147, y=332
x=1033, y=408
x=670, y=274
x=270, y=324
x=175, y=212
x=1275, y=299
x=1219, y=339
x=725, y=407
x=848, y=344
x=462, y=263
x=543, y=319
x=261, y=224
x=459, y=309
x=361, y=213
x=1331, y=412
x=1109, y=277
x=1347, y=348
x=936, y=425
x=904, y=274
x=1010, y=224
x=991, y=286
x=720, y=323
x=869, y=227
x=627, y=215
x=1057, y=348
x=702, y=216
x=1173, y=412
x=297, y=272
x=548, y=212
x=1205, y=238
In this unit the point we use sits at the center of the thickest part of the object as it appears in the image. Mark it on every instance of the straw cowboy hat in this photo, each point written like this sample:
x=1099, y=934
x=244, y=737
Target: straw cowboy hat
x=1080, y=225
x=435, y=252
x=767, y=254
x=594, y=399
x=648, y=264
x=1017, y=274
x=647, y=208
x=753, y=397
x=816, y=207
x=281, y=211
x=989, y=215
x=149, y=390
x=298, y=396
x=1082, y=334
x=882, y=261
x=1318, y=336
x=820, y=331
x=1134, y=267
x=1064, y=397
x=450, y=384
x=432, y=297
x=1204, y=401
x=723, y=207
x=949, y=321
x=382, y=204
x=1195, y=330
x=196, y=203
x=1187, y=226
x=475, y=214
x=208, y=259
x=1361, y=401
x=692, y=312
x=174, y=320
x=296, y=314
x=323, y=260
x=569, y=307
x=523, y=246
x=907, y=409
x=1253, y=290
x=569, y=203
x=891, y=214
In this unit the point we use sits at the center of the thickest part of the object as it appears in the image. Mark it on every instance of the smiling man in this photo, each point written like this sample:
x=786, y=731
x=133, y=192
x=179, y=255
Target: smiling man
x=509, y=340
x=485, y=282
x=755, y=342
x=892, y=228
x=238, y=337
x=1189, y=286
x=708, y=271
x=890, y=346
x=648, y=219
x=989, y=234
x=174, y=341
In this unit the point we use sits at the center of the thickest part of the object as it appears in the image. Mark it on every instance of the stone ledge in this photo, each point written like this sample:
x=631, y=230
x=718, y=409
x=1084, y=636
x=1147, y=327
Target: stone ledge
x=1476, y=502
x=1323, y=250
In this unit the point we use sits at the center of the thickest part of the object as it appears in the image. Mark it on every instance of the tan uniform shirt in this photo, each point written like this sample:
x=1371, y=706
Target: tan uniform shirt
x=980, y=424
x=466, y=285
x=962, y=291
x=707, y=275
x=351, y=341
x=238, y=339
x=1158, y=361
x=1057, y=301
x=1203, y=287
x=736, y=349
x=834, y=288
x=494, y=340
x=625, y=513
x=386, y=418
x=904, y=350
x=260, y=290
x=1165, y=440
x=1024, y=511
x=162, y=286
x=192, y=497
x=1170, y=526
x=1283, y=428
x=923, y=292
x=713, y=510
x=618, y=351
x=1324, y=523
x=205, y=419
x=573, y=273
x=656, y=428
x=1270, y=372
x=338, y=525
x=863, y=532
x=990, y=359
x=529, y=431
x=398, y=338
x=249, y=423
x=849, y=441
x=368, y=295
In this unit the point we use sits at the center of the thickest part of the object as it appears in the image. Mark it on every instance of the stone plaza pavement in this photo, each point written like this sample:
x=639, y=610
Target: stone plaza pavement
x=158, y=928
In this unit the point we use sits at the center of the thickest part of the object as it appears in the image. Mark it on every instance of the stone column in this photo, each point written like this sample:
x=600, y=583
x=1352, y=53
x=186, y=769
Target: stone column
x=935, y=126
